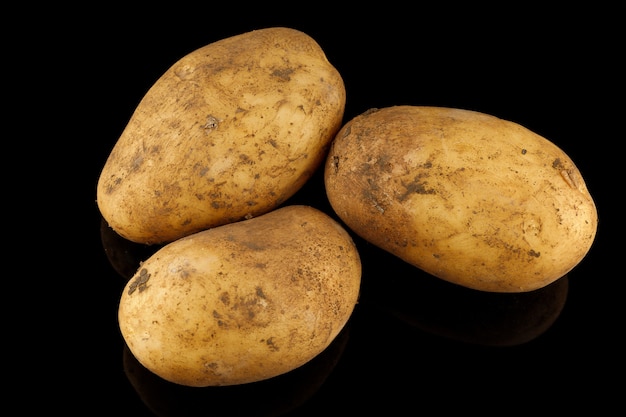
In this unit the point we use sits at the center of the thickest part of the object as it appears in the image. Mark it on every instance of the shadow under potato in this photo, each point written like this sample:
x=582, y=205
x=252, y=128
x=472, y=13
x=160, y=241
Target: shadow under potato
x=455, y=312
x=269, y=398
x=123, y=255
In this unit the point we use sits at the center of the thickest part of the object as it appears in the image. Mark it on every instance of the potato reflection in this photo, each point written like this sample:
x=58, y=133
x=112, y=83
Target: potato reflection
x=270, y=398
x=124, y=255
x=459, y=313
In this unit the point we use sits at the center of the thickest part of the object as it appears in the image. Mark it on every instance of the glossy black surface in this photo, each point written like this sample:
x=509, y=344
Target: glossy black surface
x=415, y=345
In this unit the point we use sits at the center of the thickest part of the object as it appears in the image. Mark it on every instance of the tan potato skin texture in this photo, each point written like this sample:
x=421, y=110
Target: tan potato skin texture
x=242, y=302
x=230, y=131
x=465, y=196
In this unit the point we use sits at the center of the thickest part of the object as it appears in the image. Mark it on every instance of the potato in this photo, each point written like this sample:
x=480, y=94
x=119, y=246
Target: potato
x=229, y=132
x=242, y=302
x=467, y=197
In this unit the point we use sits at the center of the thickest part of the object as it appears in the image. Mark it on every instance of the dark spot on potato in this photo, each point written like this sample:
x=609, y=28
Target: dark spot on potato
x=155, y=150
x=270, y=343
x=384, y=163
x=113, y=185
x=136, y=163
x=140, y=282
x=283, y=73
x=225, y=298
x=246, y=159
x=417, y=186
x=557, y=164
x=524, y=151
x=220, y=322
x=533, y=253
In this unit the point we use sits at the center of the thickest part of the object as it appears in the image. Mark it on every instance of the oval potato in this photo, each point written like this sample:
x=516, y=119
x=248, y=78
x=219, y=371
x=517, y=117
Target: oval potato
x=230, y=131
x=242, y=302
x=465, y=196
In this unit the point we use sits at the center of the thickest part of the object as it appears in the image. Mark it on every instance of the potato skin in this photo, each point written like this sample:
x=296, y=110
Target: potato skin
x=465, y=196
x=230, y=131
x=242, y=302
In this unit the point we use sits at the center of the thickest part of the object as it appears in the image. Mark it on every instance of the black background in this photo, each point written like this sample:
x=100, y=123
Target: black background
x=414, y=343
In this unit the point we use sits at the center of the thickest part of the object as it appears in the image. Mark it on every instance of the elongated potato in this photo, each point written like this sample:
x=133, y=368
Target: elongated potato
x=242, y=302
x=230, y=131
x=465, y=196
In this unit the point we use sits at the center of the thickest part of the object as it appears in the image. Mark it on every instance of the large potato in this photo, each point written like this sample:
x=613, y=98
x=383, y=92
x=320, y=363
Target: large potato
x=467, y=197
x=229, y=131
x=242, y=302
